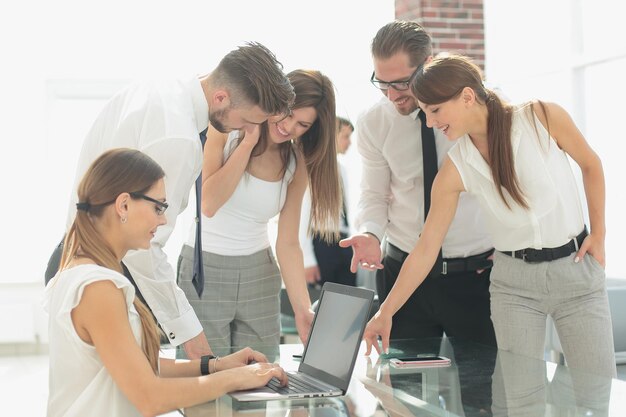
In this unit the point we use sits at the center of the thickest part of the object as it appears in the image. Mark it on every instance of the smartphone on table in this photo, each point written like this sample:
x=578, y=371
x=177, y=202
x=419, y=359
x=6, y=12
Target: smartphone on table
x=419, y=361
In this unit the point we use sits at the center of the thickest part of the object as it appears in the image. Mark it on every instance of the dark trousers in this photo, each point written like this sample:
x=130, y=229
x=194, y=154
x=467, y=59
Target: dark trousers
x=456, y=303
x=334, y=262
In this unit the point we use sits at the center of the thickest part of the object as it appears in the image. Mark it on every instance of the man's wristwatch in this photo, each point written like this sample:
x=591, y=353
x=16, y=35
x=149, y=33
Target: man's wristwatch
x=204, y=364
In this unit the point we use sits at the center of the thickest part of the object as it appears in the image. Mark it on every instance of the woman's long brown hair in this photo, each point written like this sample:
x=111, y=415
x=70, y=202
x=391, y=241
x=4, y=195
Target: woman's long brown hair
x=444, y=79
x=113, y=173
x=314, y=89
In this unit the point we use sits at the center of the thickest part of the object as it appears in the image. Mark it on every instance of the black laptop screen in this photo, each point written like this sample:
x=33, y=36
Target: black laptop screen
x=336, y=334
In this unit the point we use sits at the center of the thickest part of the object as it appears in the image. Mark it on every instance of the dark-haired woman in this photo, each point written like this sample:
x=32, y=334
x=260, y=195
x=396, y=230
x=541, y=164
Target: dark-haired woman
x=249, y=177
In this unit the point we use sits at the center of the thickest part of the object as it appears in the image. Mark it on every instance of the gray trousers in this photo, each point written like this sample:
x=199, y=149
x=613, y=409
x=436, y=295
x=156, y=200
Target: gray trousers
x=521, y=388
x=240, y=305
x=573, y=294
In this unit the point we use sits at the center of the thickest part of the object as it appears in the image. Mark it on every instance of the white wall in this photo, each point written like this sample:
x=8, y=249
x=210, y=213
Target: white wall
x=571, y=52
x=62, y=59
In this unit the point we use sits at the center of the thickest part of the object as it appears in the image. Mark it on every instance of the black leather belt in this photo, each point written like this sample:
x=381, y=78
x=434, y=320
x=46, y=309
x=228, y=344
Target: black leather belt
x=549, y=254
x=449, y=265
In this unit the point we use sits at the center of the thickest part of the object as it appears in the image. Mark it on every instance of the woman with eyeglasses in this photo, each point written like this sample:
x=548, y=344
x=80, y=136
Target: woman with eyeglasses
x=104, y=343
x=249, y=177
x=514, y=159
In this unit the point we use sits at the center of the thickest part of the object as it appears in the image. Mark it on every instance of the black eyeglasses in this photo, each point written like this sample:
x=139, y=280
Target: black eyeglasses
x=160, y=205
x=401, y=85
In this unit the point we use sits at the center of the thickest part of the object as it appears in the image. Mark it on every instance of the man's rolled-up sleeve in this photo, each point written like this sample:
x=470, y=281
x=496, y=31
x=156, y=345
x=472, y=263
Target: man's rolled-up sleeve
x=373, y=206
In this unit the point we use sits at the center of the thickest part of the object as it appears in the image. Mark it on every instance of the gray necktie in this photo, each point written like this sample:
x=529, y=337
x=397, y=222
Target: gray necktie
x=198, y=268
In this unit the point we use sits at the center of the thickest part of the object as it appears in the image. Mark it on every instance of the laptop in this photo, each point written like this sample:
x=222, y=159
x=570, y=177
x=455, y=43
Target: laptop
x=329, y=356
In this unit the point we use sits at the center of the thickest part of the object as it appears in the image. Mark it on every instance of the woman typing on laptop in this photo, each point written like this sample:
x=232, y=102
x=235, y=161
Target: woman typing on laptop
x=104, y=343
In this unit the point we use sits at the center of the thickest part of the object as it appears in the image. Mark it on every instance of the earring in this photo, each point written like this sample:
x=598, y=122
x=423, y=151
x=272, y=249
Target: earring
x=123, y=219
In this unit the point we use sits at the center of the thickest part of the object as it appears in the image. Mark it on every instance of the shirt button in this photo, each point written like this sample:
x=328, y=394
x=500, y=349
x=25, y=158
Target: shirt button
x=172, y=335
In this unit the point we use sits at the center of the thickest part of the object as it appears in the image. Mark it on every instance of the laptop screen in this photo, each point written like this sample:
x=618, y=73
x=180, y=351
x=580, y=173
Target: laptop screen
x=336, y=334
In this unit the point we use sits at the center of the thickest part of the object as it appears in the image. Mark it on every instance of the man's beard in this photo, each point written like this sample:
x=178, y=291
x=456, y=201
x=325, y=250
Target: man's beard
x=407, y=108
x=216, y=119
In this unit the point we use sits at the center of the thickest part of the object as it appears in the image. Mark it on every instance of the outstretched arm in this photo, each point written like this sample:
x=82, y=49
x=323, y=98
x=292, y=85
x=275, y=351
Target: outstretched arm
x=572, y=141
x=445, y=196
x=289, y=253
x=365, y=251
x=171, y=368
x=373, y=206
x=311, y=268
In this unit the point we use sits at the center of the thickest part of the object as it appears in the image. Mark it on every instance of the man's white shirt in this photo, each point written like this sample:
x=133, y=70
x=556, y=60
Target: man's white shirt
x=391, y=202
x=162, y=119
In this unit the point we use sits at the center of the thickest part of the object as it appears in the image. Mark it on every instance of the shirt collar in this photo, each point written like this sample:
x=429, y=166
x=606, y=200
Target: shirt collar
x=199, y=103
x=475, y=159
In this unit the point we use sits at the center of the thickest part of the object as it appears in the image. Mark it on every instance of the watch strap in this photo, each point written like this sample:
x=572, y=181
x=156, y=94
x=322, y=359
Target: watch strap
x=204, y=364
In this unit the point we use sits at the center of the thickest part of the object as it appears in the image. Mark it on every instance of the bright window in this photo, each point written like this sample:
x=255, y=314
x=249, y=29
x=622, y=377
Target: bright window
x=570, y=52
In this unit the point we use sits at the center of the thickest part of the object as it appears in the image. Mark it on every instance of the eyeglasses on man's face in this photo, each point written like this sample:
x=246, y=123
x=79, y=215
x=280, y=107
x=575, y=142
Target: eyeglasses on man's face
x=160, y=205
x=400, y=85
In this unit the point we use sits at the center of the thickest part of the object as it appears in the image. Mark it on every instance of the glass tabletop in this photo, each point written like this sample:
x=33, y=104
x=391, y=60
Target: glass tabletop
x=480, y=381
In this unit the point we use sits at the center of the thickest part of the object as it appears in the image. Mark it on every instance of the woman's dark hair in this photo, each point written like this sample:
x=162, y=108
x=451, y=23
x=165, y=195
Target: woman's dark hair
x=444, y=79
x=317, y=144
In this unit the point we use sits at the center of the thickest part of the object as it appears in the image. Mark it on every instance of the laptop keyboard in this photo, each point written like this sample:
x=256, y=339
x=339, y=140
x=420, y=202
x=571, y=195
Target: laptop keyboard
x=295, y=386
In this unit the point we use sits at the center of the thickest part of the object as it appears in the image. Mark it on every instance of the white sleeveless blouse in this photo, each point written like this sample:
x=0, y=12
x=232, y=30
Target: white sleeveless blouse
x=79, y=384
x=240, y=226
x=544, y=173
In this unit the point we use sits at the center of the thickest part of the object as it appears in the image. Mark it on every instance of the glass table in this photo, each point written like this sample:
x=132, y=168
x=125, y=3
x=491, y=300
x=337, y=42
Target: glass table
x=480, y=381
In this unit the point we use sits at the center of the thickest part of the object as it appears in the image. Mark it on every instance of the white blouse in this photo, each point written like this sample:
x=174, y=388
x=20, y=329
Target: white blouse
x=79, y=384
x=547, y=182
x=239, y=227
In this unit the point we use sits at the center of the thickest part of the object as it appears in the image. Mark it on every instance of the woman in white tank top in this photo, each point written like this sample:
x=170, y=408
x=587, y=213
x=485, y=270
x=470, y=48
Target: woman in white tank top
x=249, y=177
x=104, y=343
x=514, y=160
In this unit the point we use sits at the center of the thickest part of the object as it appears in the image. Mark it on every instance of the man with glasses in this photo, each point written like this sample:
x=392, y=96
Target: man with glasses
x=166, y=120
x=455, y=297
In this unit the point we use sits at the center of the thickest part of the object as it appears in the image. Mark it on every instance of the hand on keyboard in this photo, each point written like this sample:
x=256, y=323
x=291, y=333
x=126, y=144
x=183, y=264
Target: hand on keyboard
x=245, y=356
x=257, y=375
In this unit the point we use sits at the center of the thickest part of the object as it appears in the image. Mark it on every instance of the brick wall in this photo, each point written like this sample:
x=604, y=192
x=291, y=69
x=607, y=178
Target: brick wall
x=456, y=26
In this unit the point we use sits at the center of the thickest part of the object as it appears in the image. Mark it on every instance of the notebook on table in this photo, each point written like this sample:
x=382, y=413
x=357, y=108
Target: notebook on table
x=330, y=353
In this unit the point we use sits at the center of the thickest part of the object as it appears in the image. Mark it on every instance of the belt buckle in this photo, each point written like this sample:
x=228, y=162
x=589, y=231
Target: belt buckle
x=444, y=268
x=532, y=256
